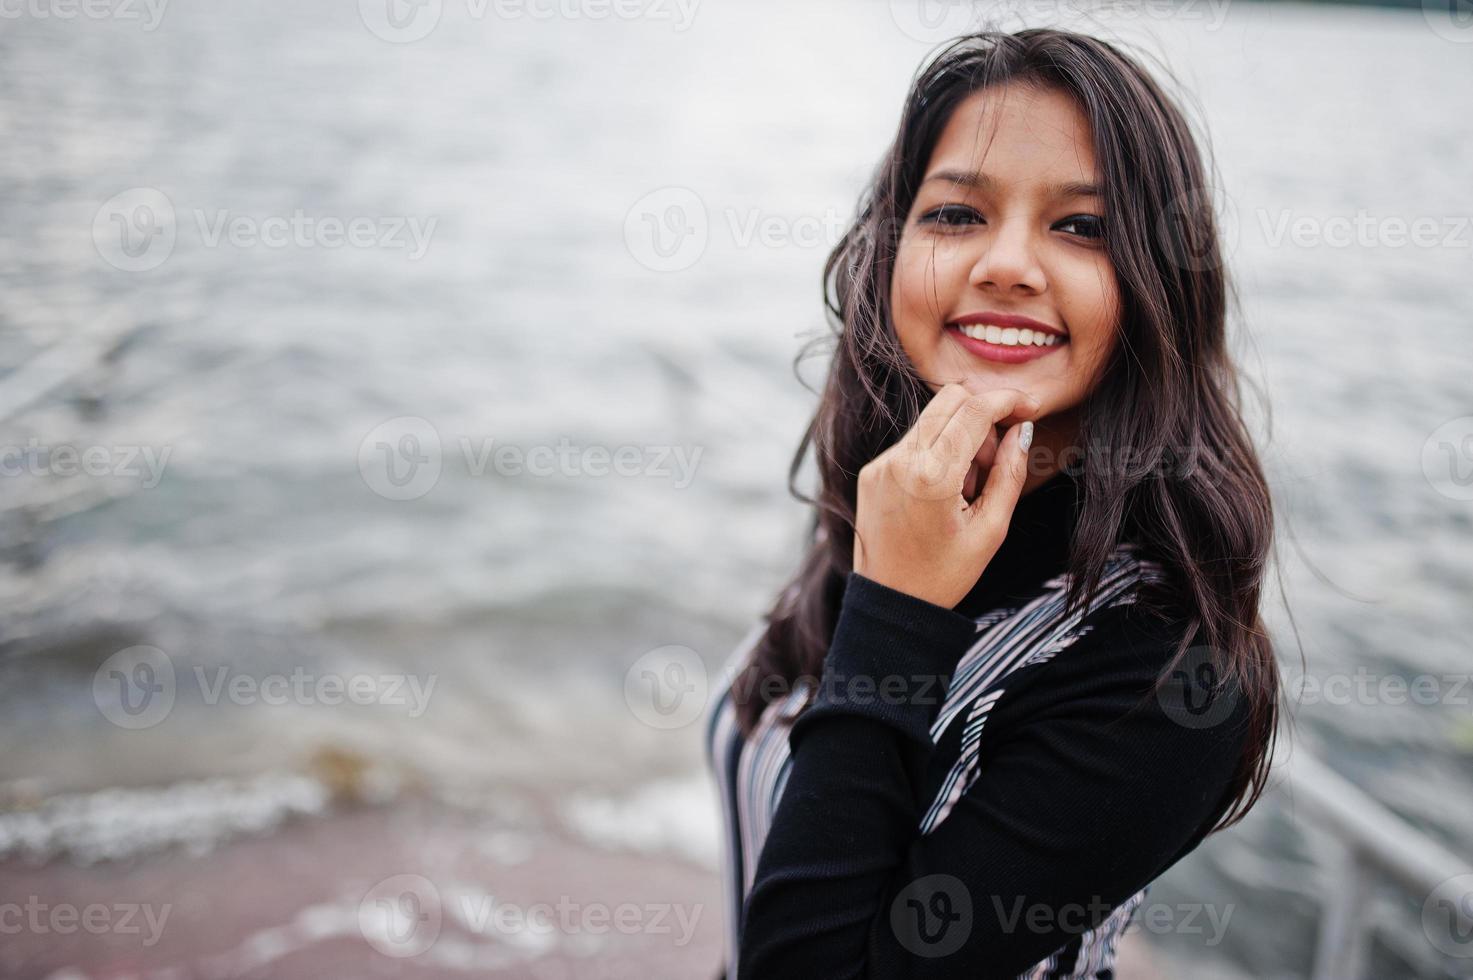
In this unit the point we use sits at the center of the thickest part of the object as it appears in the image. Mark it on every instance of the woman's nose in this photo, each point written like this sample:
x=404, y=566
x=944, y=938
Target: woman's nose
x=1008, y=261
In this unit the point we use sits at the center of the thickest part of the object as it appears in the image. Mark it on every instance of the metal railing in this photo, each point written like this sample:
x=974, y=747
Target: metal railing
x=1375, y=844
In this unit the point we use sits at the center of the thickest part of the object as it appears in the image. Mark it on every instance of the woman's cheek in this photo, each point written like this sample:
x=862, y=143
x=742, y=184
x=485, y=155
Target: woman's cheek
x=912, y=303
x=910, y=277
x=1089, y=304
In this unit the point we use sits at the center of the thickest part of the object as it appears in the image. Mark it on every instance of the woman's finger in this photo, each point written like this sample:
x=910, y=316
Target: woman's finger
x=973, y=482
x=992, y=512
x=926, y=473
x=937, y=413
x=972, y=424
x=987, y=452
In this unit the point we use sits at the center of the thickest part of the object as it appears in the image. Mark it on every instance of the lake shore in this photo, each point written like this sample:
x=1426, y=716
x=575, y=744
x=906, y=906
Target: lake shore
x=415, y=889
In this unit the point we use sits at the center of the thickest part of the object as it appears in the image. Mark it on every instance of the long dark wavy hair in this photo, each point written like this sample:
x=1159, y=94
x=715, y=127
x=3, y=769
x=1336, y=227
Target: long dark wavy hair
x=1170, y=393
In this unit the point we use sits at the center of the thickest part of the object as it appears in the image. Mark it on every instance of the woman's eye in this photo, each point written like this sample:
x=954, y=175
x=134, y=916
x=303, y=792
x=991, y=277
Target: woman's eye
x=951, y=215
x=1083, y=225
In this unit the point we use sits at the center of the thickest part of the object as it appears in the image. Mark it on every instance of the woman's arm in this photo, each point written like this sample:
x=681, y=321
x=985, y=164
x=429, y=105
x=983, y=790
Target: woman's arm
x=1084, y=803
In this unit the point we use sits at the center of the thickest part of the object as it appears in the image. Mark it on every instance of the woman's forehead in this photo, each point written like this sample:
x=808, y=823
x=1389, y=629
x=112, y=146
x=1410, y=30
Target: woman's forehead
x=1016, y=134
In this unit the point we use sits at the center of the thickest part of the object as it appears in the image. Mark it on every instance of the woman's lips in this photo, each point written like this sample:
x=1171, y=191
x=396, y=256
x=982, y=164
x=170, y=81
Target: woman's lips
x=1002, y=353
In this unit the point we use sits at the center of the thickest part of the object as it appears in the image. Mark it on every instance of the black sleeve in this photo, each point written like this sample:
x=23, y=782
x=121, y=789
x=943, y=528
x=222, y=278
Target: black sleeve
x=1084, y=796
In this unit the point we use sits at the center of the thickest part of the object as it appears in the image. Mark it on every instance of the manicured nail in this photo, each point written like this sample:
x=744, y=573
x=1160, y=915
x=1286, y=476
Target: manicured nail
x=1025, y=438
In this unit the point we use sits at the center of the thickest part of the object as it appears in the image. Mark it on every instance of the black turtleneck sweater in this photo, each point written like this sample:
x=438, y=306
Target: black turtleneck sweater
x=1066, y=784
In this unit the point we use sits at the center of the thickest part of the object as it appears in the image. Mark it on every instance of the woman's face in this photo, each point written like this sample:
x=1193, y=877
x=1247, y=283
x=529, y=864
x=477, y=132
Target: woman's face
x=1004, y=243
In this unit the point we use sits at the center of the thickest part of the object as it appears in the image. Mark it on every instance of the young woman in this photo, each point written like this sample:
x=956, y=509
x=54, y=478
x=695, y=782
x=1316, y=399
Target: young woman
x=1021, y=671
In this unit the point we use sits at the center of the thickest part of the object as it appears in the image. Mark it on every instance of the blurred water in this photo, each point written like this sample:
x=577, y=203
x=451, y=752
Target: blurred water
x=532, y=318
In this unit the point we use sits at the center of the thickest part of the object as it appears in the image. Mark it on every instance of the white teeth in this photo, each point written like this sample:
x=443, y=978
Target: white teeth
x=1010, y=337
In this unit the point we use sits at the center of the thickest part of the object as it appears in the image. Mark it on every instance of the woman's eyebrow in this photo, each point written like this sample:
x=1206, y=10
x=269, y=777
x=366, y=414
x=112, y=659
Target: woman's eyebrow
x=980, y=181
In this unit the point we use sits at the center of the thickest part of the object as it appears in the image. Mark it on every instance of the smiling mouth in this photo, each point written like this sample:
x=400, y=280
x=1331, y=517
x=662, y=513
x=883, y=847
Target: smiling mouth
x=1006, y=345
x=1009, y=336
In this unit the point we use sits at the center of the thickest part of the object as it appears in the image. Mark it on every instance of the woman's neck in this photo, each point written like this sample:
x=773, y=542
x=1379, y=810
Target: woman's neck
x=1055, y=447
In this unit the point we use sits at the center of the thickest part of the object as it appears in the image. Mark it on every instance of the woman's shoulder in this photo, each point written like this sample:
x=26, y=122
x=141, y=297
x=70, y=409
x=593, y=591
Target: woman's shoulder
x=1143, y=654
x=1140, y=595
x=1127, y=702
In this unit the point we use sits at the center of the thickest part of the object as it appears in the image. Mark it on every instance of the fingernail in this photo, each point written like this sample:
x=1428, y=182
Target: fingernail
x=1025, y=437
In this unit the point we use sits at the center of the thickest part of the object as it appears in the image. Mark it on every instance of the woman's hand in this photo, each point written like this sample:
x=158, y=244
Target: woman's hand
x=915, y=530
